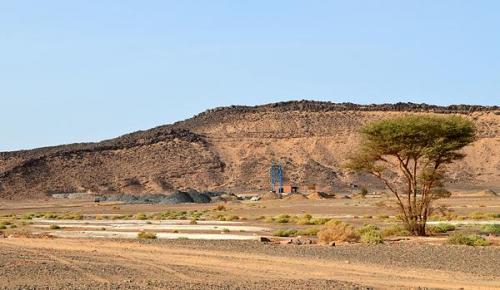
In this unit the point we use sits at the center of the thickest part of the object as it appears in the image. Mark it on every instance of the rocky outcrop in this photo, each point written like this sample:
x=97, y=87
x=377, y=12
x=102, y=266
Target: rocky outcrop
x=232, y=148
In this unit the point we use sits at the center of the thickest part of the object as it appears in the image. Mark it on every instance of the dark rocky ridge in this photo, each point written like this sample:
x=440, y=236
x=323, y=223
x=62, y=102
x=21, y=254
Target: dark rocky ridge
x=225, y=148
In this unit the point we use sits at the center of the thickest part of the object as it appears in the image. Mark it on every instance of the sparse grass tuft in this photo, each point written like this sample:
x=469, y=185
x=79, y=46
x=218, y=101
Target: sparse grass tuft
x=441, y=228
x=282, y=218
x=468, y=240
x=54, y=227
x=395, y=230
x=232, y=218
x=285, y=233
x=308, y=232
x=140, y=216
x=146, y=235
x=491, y=229
x=220, y=207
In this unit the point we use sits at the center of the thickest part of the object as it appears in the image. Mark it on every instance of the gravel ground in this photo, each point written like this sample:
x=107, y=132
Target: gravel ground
x=474, y=260
x=124, y=264
x=243, y=285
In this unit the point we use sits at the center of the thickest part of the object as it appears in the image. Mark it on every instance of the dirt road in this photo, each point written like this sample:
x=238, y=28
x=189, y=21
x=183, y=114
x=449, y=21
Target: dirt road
x=118, y=264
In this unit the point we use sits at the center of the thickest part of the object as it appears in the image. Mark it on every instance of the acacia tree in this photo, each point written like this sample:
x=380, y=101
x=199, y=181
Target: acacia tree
x=409, y=155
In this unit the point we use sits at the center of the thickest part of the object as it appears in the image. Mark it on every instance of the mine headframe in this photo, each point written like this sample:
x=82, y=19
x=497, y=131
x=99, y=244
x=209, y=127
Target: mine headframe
x=276, y=177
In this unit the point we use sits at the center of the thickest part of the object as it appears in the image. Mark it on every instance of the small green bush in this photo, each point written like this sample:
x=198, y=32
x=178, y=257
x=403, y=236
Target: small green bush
x=140, y=216
x=5, y=223
x=363, y=192
x=441, y=228
x=232, y=218
x=13, y=226
x=493, y=229
x=27, y=216
x=193, y=222
x=395, y=230
x=225, y=230
x=282, y=218
x=2, y=227
x=54, y=227
x=50, y=215
x=285, y=233
x=320, y=221
x=382, y=217
x=468, y=240
x=269, y=219
x=308, y=232
x=304, y=220
x=146, y=235
x=370, y=234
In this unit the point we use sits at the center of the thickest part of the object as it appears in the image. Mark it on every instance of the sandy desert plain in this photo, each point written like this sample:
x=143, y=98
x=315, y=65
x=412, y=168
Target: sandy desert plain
x=240, y=244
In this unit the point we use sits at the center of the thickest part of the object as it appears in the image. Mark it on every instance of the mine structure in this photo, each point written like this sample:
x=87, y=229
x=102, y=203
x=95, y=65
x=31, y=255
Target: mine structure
x=276, y=177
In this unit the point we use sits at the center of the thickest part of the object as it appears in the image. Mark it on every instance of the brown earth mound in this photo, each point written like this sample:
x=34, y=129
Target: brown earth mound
x=297, y=196
x=231, y=149
x=270, y=196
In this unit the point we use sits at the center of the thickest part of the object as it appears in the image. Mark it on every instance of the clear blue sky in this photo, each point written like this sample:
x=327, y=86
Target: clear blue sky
x=73, y=71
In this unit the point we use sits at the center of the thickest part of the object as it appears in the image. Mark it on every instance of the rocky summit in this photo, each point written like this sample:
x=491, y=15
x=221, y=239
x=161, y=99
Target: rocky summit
x=232, y=148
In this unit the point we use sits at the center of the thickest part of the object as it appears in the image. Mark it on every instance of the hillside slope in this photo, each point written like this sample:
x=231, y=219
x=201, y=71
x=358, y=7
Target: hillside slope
x=232, y=148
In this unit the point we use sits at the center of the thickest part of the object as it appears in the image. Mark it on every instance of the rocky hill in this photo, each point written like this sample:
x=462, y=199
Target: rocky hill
x=231, y=148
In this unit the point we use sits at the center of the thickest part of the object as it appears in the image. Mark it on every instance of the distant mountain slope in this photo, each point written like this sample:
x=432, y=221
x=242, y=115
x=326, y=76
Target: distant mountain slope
x=232, y=148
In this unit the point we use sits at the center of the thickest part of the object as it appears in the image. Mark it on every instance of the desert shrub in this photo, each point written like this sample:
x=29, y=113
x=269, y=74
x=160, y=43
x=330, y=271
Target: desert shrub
x=285, y=233
x=282, y=218
x=269, y=219
x=193, y=222
x=140, y=216
x=27, y=216
x=13, y=226
x=337, y=231
x=70, y=216
x=320, y=221
x=146, y=235
x=303, y=220
x=308, y=232
x=232, y=218
x=54, y=227
x=395, y=230
x=363, y=192
x=5, y=223
x=382, y=217
x=493, y=229
x=50, y=215
x=98, y=217
x=225, y=230
x=368, y=228
x=220, y=207
x=441, y=228
x=468, y=240
x=2, y=227
x=260, y=218
x=370, y=234
x=372, y=237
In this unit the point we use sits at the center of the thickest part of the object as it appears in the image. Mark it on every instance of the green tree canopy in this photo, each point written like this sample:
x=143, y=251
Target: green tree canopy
x=408, y=154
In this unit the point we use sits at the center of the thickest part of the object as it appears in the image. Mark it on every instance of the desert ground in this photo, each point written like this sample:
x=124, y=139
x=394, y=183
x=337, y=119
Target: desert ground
x=81, y=244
